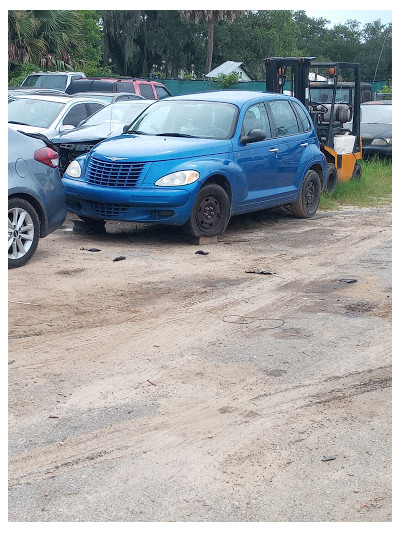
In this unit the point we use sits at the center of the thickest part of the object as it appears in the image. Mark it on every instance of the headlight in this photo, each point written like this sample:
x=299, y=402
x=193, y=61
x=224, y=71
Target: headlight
x=182, y=177
x=381, y=142
x=74, y=169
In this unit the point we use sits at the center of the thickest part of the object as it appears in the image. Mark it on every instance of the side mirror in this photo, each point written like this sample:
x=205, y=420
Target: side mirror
x=253, y=136
x=125, y=128
x=65, y=128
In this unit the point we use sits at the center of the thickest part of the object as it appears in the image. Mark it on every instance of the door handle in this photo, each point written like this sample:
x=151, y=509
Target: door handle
x=304, y=144
x=274, y=150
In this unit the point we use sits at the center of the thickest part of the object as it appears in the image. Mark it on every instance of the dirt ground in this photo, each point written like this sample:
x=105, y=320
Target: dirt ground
x=174, y=386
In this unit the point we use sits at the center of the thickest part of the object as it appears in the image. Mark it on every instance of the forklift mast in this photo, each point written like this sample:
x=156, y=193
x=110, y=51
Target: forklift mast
x=295, y=70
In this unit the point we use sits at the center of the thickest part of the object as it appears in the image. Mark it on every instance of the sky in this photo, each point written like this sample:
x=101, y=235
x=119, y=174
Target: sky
x=338, y=16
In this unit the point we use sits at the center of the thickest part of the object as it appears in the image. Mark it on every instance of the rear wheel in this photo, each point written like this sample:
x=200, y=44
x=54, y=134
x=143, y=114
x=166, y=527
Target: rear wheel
x=23, y=231
x=331, y=178
x=211, y=212
x=308, y=200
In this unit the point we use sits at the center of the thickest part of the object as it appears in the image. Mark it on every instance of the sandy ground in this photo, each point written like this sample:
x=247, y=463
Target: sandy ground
x=174, y=386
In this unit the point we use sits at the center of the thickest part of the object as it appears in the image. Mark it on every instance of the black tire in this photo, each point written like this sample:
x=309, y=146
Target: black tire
x=308, y=200
x=356, y=176
x=211, y=212
x=331, y=178
x=23, y=231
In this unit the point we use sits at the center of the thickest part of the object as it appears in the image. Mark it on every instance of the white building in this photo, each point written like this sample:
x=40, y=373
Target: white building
x=231, y=66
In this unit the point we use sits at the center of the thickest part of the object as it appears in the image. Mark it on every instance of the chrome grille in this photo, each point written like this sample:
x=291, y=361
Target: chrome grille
x=113, y=173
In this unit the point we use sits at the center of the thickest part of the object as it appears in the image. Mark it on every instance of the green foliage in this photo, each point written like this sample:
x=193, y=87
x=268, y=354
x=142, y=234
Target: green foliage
x=17, y=72
x=225, y=81
x=373, y=189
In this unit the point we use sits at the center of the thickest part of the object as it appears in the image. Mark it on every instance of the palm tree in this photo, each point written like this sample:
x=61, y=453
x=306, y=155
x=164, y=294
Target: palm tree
x=48, y=37
x=210, y=17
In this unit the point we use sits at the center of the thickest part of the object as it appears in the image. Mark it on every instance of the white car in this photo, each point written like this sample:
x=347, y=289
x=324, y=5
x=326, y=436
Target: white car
x=50, y=115
x=51, y=80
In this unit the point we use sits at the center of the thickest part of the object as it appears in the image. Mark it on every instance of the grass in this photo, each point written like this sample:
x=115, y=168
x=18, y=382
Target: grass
x=373, y=189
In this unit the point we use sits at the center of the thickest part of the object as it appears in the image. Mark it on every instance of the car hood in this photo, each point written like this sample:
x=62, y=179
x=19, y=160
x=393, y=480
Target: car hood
x=372, y=131
x=154, y=148
x=90, y=133
x=27, y=129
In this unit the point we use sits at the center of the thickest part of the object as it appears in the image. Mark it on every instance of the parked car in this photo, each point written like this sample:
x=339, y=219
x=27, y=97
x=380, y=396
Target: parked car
x=51, y=80
x=376, y=128
x=27, y=91
x=48, y=114
x=109, y=98
x=106, y=123
x=195, y=160
x=151, y=90
x=36, y=195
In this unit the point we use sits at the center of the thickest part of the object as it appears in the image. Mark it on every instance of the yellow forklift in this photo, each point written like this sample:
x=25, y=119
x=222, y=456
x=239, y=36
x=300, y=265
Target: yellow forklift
x=336, y=118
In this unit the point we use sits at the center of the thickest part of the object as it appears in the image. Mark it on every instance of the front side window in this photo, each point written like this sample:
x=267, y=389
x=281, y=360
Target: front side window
x=75, y=115
x=256, y=118
x=161, y=92
x=188, y=118
x=284, y=117
x=30, y=112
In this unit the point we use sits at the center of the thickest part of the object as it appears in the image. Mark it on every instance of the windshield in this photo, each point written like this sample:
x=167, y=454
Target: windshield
x=119, y=112
x=323, y=95
x=30, y=112
x=188, y=118
x=43, y=81
x=376, y=114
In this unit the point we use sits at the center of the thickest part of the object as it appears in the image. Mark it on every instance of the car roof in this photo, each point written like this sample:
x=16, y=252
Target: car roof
x=54, y=98
x=109, y=94
x=230, y=97
x=54, y=73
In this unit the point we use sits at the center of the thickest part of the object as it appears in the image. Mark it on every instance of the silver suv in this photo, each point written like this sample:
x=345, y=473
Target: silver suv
x=51, y=80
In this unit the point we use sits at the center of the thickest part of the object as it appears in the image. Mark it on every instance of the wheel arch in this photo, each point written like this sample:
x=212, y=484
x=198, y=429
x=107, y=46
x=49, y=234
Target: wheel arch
x=38, y=208
x=317, y=167
x=222, y=181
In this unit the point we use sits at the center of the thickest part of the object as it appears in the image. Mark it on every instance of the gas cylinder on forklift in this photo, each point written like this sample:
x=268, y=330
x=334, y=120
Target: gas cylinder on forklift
x=340, y=146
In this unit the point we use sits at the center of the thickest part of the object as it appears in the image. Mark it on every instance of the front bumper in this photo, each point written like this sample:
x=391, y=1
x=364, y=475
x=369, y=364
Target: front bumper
x=143, y=204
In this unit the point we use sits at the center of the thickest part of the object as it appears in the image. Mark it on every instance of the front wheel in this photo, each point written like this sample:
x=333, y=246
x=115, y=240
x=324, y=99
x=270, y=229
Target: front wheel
x=211, y=212
x=23, y=231
x=308, y=200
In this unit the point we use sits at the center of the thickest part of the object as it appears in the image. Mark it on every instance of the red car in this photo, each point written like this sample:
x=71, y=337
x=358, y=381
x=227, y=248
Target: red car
x=151, y=90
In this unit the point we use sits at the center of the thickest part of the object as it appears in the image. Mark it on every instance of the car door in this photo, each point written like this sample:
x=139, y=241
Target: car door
x=290, y=142
x=257, y=161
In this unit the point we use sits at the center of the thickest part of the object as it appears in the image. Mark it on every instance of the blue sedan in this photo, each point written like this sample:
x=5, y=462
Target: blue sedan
x=36, y=195
x=198, y=159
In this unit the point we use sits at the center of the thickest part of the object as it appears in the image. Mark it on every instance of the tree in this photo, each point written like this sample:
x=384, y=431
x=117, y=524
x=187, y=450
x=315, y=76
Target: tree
x=50, y=38
x=210, y=17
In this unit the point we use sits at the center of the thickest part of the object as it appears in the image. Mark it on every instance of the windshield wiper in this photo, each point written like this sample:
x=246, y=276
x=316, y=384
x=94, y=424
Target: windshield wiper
x=138, y=132
x=172, y=134
x=20, y=123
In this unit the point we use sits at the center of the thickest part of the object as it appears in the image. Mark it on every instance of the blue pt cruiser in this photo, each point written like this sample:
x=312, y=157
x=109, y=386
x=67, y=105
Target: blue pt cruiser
x=198, y=159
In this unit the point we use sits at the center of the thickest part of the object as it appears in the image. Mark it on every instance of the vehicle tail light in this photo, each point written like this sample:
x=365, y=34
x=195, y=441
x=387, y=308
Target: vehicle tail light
x=47, y=156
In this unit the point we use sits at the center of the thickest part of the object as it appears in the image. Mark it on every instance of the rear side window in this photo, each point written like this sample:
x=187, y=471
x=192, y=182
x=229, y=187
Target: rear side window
x=284, y=117
x=304, y=122
x=125, y=87
x=146, y=90
x=161, y=92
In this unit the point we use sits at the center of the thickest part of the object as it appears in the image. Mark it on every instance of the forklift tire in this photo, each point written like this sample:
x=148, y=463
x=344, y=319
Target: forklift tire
x=331, y=178
x=356, y=176
x=308, y=200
